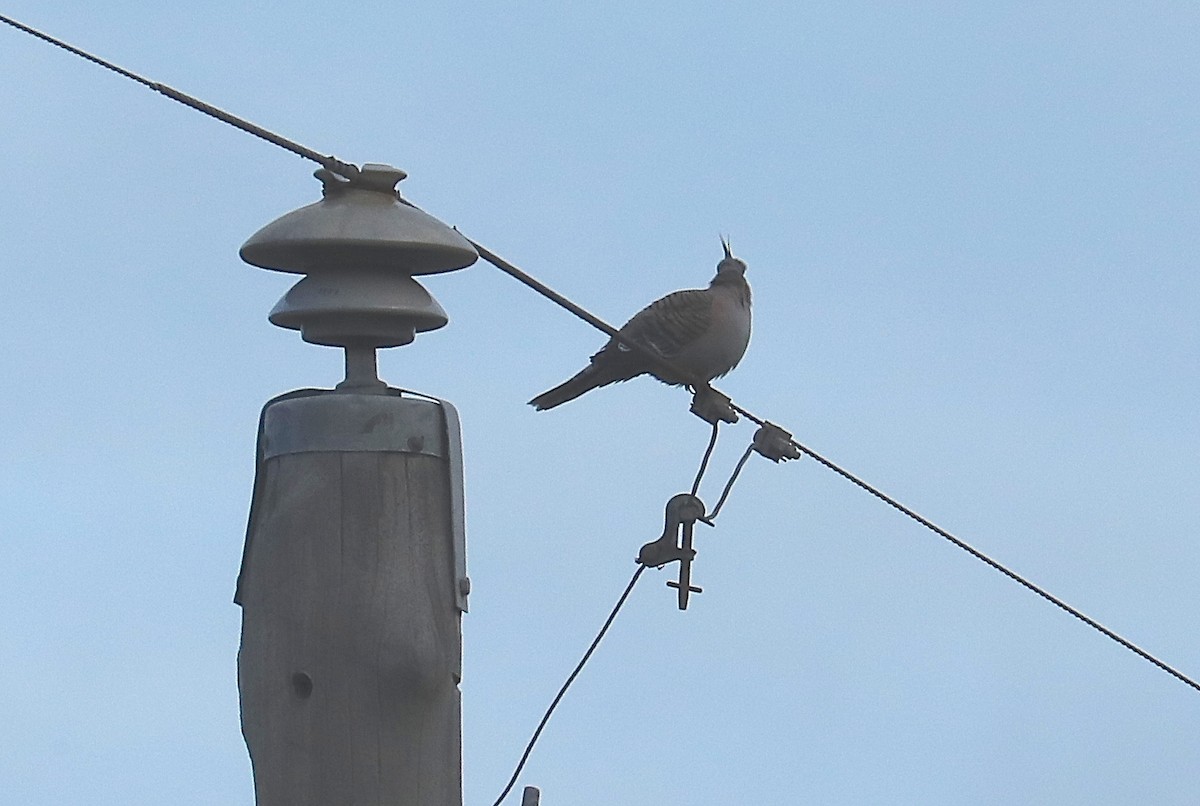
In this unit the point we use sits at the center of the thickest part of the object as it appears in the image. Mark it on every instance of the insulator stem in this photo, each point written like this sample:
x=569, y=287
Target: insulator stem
x=362, y=371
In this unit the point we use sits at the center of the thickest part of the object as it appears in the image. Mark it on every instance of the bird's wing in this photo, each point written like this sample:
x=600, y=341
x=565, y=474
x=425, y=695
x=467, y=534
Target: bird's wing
x=672, y=323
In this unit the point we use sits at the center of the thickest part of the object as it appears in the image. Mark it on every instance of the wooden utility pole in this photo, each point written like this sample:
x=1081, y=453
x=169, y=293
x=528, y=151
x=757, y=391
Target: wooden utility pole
x=353, y=579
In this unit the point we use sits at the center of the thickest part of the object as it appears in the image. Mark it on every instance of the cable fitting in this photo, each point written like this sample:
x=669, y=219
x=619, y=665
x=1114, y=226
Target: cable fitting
x=774, y=443
x=713, y=407
x=683, y=511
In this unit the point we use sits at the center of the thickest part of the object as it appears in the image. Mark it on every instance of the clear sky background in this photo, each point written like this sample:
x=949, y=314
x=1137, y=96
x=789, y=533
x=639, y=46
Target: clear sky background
x=972, y=232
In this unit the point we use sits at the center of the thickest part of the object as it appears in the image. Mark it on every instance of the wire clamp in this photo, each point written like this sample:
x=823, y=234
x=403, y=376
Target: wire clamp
x=683, y=511
x=775, y=444
x=713, y=407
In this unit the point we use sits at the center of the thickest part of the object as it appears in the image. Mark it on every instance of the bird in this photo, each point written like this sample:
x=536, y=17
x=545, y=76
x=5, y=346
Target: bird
x=701, y=333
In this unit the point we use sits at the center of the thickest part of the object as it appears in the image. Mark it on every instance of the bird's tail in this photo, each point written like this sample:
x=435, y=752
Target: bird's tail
x=587, y=379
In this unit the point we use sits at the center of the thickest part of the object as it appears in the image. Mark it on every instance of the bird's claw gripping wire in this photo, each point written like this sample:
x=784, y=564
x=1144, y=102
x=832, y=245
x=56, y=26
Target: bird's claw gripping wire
x=683, y=511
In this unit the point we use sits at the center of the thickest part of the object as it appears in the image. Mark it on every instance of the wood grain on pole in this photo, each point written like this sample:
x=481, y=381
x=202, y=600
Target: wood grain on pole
x=351, y=645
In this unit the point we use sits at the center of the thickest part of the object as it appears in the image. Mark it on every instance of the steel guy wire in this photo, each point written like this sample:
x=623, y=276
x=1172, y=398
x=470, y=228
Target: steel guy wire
x=350, y=171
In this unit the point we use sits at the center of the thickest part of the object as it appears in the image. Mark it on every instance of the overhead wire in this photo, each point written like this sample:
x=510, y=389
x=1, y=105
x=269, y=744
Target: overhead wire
x=708, y=452
x=599, y=324
x=350, y=171
x=570, y=679
x=1014, y=576
x=729, y=484
x=513, y=271
x=331, y=163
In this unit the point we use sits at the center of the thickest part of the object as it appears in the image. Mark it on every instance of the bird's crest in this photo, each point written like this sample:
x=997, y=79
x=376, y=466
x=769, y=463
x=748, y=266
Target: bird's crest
x=729, y=263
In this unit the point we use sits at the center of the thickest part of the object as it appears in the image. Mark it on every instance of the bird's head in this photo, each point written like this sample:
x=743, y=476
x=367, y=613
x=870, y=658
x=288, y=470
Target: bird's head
x=729, y=263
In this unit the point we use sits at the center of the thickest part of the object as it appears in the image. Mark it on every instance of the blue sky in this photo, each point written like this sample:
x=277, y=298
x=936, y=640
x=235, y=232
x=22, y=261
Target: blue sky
x=972, y=236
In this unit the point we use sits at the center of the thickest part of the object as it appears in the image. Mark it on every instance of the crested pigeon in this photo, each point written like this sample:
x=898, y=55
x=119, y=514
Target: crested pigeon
x=702, y=333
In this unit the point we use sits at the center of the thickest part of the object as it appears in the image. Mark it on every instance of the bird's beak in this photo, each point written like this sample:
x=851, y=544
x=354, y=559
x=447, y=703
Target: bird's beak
x=725, y=245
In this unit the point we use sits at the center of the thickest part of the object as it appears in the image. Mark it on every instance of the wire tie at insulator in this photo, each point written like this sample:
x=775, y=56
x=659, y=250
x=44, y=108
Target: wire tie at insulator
x=683, y=510
x=713, y=407
x=774, y=443
x=332, y=183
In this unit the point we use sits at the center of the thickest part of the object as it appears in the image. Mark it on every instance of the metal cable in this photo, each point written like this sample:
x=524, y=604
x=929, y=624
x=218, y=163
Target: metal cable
x=979, y=555
x=586, y=316
x=350, y=171
x=571, y=679
x=729, y=484
x=712, y=443
x=331, y=163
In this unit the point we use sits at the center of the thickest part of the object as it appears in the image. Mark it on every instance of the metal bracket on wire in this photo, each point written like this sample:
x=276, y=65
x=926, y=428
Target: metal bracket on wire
x=775, y=444
x=713, y=407
x=769, y=441
x=683, y=511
